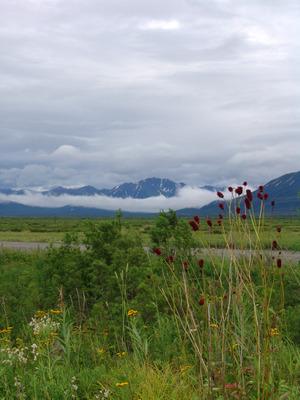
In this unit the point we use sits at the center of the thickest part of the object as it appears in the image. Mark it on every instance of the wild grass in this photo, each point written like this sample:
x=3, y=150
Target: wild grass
x=116, y=322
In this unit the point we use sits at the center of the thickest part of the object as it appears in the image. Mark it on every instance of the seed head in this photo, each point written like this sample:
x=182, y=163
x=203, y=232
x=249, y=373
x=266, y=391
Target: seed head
x=209, y=223
x=201, y=302
x=219, y=222
x=278, y=228
x=249, y=194
x=157, y=251
x=261, y=188
x=259, y=195
x=230, y=189
x=244, y=216
x=220, y=194
x=220, y=216
x=247, y=203
x=274, y=244
x=239, y=190
x=221, y=206
x=194, y=226
x=238, y=210
x=279, y=262
x=266, y=196
x=201, y=263
x=196, y=219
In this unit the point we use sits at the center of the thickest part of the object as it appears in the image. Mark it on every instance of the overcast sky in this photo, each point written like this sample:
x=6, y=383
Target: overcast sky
x=101, y=92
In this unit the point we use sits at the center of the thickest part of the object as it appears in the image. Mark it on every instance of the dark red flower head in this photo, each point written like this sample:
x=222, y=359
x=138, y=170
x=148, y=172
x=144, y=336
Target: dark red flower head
x=249, y=194
x=148, y=276
x=221, y=206
x=278, y=228
x=230, y=189
x=247, y=203
x=201, y=302
x=209, y=223
x=225, y=297
x=274, y=244
x=219, y=222
x=238, y=210
x=185, y=264
x=220, y=194
x=259, y=195
x=157, y=251
x=201, y=263
x=239, y=190
x=194, y=225
x=245, y=183
x=266, y=196
x=272, y=203
x=261, y=188
x=220, y=216
x=244, y=216
x=196, y=219
x=171, y=258
x=279, y=262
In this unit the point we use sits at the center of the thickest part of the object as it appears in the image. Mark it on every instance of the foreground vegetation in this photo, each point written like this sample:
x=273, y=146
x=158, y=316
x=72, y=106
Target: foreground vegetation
x=116, y=322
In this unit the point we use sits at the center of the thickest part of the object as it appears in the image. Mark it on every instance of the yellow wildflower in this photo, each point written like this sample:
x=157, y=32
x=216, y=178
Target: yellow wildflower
x=274, y=331
x=132, y=312
x=122, y=384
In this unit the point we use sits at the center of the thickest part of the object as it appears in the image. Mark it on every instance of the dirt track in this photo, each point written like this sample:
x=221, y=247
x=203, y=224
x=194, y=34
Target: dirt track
x=33, y=246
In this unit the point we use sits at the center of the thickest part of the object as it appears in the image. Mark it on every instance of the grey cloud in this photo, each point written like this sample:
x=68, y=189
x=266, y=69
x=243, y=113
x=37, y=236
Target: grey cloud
x=186, y=197
x=129, y=99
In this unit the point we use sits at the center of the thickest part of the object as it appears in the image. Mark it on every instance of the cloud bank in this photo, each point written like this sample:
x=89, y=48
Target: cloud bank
x=186, y=197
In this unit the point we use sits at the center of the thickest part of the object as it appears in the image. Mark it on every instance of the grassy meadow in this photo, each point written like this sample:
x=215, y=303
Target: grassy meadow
x=114, y=321
x=53, y=230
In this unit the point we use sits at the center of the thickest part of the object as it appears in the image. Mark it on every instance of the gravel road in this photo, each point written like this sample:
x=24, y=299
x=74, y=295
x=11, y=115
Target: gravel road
x=33, y=246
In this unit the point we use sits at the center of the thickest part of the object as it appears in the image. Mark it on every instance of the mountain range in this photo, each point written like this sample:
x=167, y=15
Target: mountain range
x=149, y=187
x=283, y=190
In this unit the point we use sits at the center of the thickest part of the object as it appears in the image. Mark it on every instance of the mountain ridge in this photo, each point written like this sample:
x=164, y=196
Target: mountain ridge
x=149, y=187
x=283, y=190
